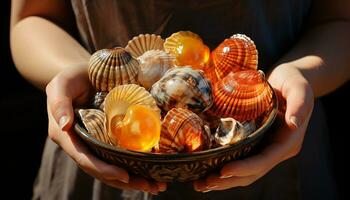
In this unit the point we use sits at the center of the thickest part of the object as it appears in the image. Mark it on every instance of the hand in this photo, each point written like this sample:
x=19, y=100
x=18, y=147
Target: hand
x=297, y=100
x=70, y=87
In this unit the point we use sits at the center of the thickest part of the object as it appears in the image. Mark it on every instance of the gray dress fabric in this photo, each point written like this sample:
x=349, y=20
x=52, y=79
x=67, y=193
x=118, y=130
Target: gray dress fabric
x=274, y=25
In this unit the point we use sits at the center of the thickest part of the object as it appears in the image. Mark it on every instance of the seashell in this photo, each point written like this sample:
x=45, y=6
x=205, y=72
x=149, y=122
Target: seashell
x=98, y=100
x=142, y=43
x=231, y=131
x=243, y=95
x=93, y=120
x=153, y=65
x=183, y=131
x=121, y=98
x=111, y=67
x=188, y=48
x=233, y=54
x=183, y=87
x=139, y=130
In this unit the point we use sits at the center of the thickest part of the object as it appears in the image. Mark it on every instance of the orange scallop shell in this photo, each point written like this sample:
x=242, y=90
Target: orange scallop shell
x=183, y=131
x=242, y=95
x=233, y=54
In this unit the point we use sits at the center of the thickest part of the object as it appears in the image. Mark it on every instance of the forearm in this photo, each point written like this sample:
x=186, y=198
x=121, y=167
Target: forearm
x=323, y=56
x=41, y=49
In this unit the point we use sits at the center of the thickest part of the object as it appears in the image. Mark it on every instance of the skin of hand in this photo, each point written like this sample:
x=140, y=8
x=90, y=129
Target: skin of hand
x=297, y=101
x=72, y=87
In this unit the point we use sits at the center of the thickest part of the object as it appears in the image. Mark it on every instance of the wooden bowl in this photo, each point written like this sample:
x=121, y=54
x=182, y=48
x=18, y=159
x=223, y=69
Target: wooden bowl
x=180, y=167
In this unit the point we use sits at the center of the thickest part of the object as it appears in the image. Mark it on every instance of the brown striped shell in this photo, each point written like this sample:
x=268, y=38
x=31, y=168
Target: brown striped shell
x=138, y=45
x=183, y=87
x=93, y=120
x=242, y=95
x=183, y=131
x=112, y=67
x=121, y=98
x=153, y=65
x=233, y=54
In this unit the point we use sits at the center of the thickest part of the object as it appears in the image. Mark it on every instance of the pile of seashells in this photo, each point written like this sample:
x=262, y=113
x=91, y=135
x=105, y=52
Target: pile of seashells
x=175, y=95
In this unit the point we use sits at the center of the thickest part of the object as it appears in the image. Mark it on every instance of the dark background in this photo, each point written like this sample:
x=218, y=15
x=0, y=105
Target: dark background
x=23, y=124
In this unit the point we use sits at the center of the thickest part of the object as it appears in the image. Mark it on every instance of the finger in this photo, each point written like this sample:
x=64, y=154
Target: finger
x=200, y=185
x=256, y=165
x=217, y=183
x=298, y=95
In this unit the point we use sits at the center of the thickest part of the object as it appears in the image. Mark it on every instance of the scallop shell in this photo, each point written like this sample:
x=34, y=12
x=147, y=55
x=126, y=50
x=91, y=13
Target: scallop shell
x=121, y=97
x=243, y=95
x=233, y=54
x=188, y=48
x=183, y=87
x=183, y=131
x=111, y=67
x=142, y=43
x=153, y=65
x=93, y=120
x=231, y=131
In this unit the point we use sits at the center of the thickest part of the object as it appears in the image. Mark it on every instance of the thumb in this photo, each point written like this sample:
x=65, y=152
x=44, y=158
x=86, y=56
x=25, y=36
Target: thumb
x=299, y=100
x=59, y=103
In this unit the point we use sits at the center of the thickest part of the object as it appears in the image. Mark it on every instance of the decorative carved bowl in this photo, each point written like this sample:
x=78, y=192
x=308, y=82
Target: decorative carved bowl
x=180, y=167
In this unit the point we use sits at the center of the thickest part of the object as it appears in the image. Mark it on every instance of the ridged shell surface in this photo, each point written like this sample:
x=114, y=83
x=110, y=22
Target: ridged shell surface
x=183, y=131
x=242, y=95
x=144, y=42
x=109, y=68
x=122, y=97
x=93, y=120
x=233, y=54
x=188, y=49
x=183, y=87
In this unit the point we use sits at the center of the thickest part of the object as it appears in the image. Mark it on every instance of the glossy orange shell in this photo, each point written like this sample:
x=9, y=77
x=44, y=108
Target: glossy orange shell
x=234, y=54
x=183, y=131
x=242, y=95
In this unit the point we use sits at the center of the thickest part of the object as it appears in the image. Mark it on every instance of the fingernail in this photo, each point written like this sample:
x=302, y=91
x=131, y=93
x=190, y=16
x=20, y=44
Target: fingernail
x=124, y=180
x=154, y=193
x=226, y=176
x=63, y=121
x=205, y=191
x=294, y=121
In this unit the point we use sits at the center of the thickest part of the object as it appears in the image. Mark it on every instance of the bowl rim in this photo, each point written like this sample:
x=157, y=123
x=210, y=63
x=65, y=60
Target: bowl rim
x=82, y=132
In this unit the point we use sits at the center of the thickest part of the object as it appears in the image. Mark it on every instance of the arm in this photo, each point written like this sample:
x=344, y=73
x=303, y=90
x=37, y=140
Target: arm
x=40, y=48
x=47, y=55
x=318, y=64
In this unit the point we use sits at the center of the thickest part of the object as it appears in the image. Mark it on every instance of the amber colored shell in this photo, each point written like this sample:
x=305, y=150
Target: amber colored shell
x=121, y=97
x=93, y=120
x=183, y=131
x=183, y=87
x=242, y=95
x=142, y=43
x=153, y=65
x=233, y=54
x=188, y=49
x=112, y=67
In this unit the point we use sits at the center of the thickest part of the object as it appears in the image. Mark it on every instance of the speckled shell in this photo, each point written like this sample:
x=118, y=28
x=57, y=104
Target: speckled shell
x=233, y=54
x=231, y=131
x=183, y=87
x=111, y=67
x=121, y=97
x=242, y=95
x=142, y=43
x=98, y=100
x=153, y=65
x=93, y=120
x=183, y=131
x=176, y=42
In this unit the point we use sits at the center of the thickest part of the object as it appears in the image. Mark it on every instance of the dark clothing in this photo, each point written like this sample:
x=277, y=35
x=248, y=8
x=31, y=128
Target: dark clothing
x=274, y=25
